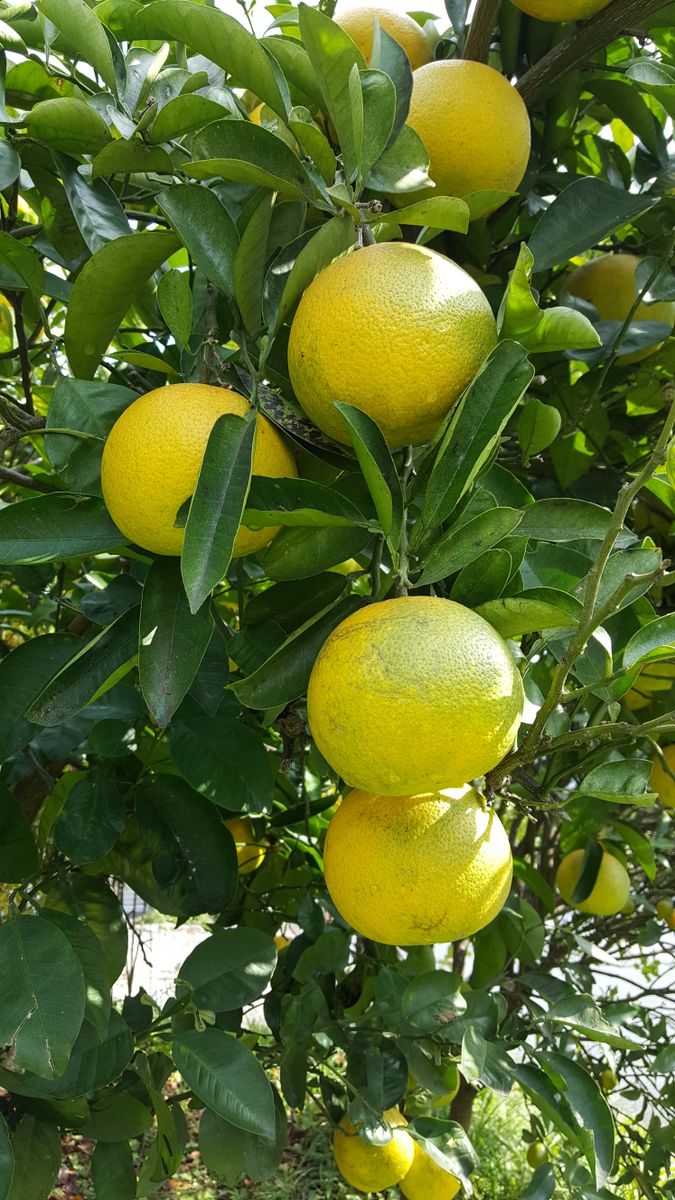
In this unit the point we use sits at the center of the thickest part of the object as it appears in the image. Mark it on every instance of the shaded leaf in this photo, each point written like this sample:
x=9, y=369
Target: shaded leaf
x=227, y=1077
x=206, y=229
x=172, y=640
x=583, y=214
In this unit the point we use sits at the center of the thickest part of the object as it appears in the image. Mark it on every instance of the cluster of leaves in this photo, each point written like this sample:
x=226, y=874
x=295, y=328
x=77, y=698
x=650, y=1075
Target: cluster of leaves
x=152, y=232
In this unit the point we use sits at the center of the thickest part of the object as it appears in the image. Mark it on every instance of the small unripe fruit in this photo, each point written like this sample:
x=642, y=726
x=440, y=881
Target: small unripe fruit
x=536, y=1154
x=664, y=909
x=608, y=1079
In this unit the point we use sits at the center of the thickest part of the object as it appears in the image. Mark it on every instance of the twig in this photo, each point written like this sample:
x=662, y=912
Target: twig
x=26, y=481
x=477, y=44
x=595, y=33
x=17, y=303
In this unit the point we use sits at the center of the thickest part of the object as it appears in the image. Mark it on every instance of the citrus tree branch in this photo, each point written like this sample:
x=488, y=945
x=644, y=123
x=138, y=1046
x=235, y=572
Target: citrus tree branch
x=595, y=33
x=478, y=38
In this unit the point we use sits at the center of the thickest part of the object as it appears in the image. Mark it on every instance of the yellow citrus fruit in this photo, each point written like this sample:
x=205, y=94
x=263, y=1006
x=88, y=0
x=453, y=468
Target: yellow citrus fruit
x=655, y=677
x=611, y=890
x=561, y=10
x=536, y=1154
x=281, y=942
x=417, y=869
x=452, y=1081
x=394, y=329
x=475, y=128
x=427, y=1181
x=413, y=695
x=664, y=909
x=152, y=458
x=660, y=782
x=608, y=282
x=371, y=1168
x=359, y=22
x=250, y=850
x=608, y=1079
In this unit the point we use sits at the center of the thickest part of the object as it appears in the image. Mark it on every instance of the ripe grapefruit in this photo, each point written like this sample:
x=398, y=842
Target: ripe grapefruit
x=427, y=1181
x=611, y=890
x=358, y=21
x=417, y=869
x=608, y=282
x=561, y=10
x=152, y=458
x=250, y=850
x=660, y=782
x=368, y=1167
x=413, y=695
x=394, y=329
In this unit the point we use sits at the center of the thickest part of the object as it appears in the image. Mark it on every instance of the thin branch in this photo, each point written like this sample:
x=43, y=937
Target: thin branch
x=598, y=31
x=25, y=481
x=479, y=37
x=16, y=299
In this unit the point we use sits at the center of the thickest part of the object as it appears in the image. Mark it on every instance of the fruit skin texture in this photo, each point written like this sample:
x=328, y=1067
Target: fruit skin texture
x=413, y=695
x=475, y=128
x=417, y=869
x=152, y=457
x=611, y=890
x=608, y=282
x=394, y=329
x=370, y=1168
x=561, y=10
x=427, y=1181
x=250, y=851
x=661, y=783
x=359, y=22
x=536, y=1154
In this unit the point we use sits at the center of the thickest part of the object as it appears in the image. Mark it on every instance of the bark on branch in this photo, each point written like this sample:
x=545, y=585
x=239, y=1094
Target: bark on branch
x=477, y=44
x=598, y=31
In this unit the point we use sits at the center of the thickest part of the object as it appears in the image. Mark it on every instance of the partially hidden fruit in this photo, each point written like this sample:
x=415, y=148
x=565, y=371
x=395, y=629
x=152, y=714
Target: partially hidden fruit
x=417, y=869
x=358, y=21
x=250, y=850
x=427, y=1181
x=561, y=10
x=608, y=282
x=608, y=1079
x=152, y=458
x=452, y=1081
x=654, y=677
x=369, y=1167
x=475, y=128
x=611, y=889
x=659, y=780
x=396, y=330
x=413, y=695
x=670, y=464
x=664, y=909
x=536, y=1154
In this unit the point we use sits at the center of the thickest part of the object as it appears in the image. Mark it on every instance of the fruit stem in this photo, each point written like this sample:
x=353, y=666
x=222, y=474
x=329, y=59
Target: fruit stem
x=477, y=44
x=402, y=580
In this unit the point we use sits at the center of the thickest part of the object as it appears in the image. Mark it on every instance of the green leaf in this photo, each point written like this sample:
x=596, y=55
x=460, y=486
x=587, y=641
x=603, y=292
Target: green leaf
x=84, y=32
x=588, y=875
x=590, y=1109
x=220, y=38
x=379, y=470
x=486, y=1062
x=285, y=675
x=230, y=969
x=301, y=553
x=55, y=526
x=91, y=820
x=541, y=1185
x=112, y=1171
x=333, y=238
x=622, y=782
x=94, y=902
x=583, y=214
x=89, y=951
x=117, y=1116
x=227, y=1077
x=298, y=502
x=206, y=229
x=246, y=153
x=379, y=111
x=448, y=1145
x=581, y=1013
x=538, y=426
x=249, y=267
x=41, y=995
x=656, y=78
x=69, y=125
x=296, y=67
x=172, y=640
x=22, y=260
x=37, y=1154
x=475, y=426
x=19, y=856
x=96, y=667
x=333, y=56
x=459, y=546
x=90, y=408
x=432, y=1000
x=654, y=640
x=547, y=330
x=376, y=1066
x=217, y=505
x=174, y=300
x=388, y=56
x=10, y=169
x=531, y=611
x=562, y=520
x=404, y=166
x=134, y=156
x=438, y=212
x=626, y=103
x=6, y=1160
x=313, y=141
x=231, y=1153
x=223, y=759
x=193, y=855
x=484, y=579
x=184, y=114
x=105, y=290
